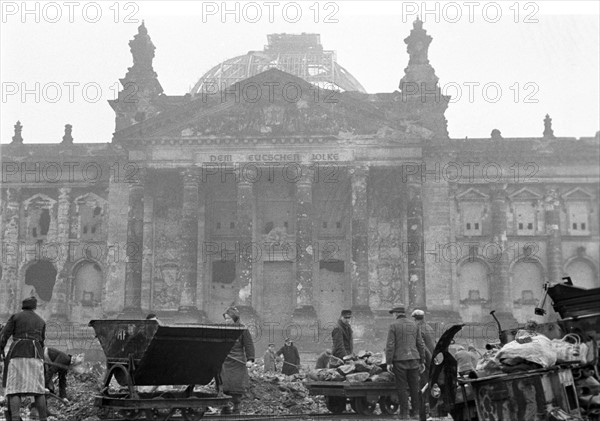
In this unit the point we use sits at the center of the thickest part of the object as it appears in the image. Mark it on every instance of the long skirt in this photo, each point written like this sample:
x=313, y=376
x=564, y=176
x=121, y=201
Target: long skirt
x=25, y=375
x=235, y=376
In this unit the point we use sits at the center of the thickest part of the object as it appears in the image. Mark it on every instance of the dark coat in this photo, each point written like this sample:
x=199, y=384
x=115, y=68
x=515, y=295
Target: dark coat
x=28, y=331
x=428, y=336
x=234, y=373
x=269, y=359
x=291, y=359
x=404, y=342
x=323, y=360
x=60, y=363
x=342, y=340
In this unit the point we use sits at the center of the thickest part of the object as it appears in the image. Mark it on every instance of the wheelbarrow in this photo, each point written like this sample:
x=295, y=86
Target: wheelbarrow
x=145, y=353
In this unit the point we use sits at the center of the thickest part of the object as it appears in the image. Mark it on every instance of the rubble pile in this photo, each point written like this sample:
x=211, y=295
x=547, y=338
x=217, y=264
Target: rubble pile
x=81, y=390
x=267, y=394
x=362, y=367
x=278, y=394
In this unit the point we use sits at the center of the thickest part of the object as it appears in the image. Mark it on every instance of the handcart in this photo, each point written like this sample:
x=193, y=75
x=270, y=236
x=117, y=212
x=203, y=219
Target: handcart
x=363, y=396
x=145, y=353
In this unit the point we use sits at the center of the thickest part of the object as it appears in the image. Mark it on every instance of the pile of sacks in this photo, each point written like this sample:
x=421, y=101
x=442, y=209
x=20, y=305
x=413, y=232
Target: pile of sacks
x=362, y=367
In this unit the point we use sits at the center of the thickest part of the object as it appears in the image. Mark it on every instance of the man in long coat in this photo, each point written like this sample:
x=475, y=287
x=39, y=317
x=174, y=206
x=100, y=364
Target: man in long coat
x=24, y=365
x=234, y=372
x=428, y=335
x=405, y=357
x=291, y=357
x=342, y=335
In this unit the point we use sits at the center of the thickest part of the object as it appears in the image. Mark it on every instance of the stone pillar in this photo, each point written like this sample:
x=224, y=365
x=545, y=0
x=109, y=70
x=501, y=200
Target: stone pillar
x=304, y=313
x=363, y=316
x=188, y=312
x=554, y=239
x=501, y=298
x=60, y=295
x=415, y=239
x=243, y=267
x=202, y=291
x=135, y=243
x=10, y=253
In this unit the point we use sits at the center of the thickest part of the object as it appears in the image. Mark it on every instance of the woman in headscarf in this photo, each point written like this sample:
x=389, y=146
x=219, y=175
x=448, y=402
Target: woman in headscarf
x=24, y=365
x=234, y=372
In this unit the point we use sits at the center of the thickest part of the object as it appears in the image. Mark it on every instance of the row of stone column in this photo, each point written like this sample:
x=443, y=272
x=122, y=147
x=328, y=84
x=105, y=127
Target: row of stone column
x=304, y=237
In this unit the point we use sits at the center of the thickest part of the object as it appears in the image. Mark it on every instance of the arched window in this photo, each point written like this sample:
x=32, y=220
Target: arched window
x=527, y=282
x=582, y=274
x=87, y=283
x=473, y=282
x=39, y=280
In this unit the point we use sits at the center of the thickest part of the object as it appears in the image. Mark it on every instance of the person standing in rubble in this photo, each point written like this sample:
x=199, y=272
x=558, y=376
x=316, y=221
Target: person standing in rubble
x=23, y=372
x=342, y=335
x=234, y=372
x=428, y=335
x=291, y=358
x=269, y=359
x=405, y=357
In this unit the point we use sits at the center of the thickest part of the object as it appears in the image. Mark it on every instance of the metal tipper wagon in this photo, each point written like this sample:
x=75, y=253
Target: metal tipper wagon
x=145, y=353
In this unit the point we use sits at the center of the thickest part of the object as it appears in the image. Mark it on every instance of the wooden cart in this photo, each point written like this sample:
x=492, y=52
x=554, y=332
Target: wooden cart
x=362, y=396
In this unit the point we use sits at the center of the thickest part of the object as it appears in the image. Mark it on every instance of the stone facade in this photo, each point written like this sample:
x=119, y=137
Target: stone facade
x=294, y=209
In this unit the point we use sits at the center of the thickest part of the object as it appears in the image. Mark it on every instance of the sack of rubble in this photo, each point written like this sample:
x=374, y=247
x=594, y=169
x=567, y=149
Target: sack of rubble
x=325, y=375
x=361, y=367
x=384, y=377
x=335, y=362
x=375, y=369
x=345, y=369
x=536, y=349
x=357, y=377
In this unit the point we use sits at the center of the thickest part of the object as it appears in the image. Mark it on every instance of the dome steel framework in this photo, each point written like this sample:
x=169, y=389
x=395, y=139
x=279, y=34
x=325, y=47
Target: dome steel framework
x=300, y=54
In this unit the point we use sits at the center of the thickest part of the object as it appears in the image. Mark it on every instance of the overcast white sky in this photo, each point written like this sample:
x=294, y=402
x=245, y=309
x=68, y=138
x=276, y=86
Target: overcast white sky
x=545, y=62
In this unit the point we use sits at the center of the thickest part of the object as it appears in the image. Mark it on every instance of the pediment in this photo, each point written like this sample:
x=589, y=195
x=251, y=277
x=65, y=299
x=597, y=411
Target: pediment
x=273, y=103
x=577, y=194
x=39, y=200
x=90, y=199
x=472, y=194
x=524, y=194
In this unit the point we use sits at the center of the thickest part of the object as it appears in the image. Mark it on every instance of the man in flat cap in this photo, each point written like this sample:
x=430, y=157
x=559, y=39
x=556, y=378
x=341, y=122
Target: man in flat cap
x=342, y=335
x=428, y=335
x=405, y=357
x=24, y=366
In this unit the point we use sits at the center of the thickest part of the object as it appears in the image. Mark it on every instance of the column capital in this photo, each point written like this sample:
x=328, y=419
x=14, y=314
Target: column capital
x=498, y=191
x=307, y=176
x=359, y=170
x=137, y=178
x=552, y=198
x=190, y=175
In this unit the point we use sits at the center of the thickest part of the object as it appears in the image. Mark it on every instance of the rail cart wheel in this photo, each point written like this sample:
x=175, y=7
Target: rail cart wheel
x=388, y=406
x=335, y=404
x=158, y=414
x=104, y=413
x=191, y=414
x=353, y=405
x=131, y=414
x=363, y=406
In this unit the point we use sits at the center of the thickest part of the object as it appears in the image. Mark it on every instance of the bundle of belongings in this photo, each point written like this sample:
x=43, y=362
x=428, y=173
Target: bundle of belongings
x=362, y=367
x=529, y=350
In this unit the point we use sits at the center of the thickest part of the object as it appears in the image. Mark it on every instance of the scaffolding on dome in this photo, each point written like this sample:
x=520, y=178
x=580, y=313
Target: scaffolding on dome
x=301, y=55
